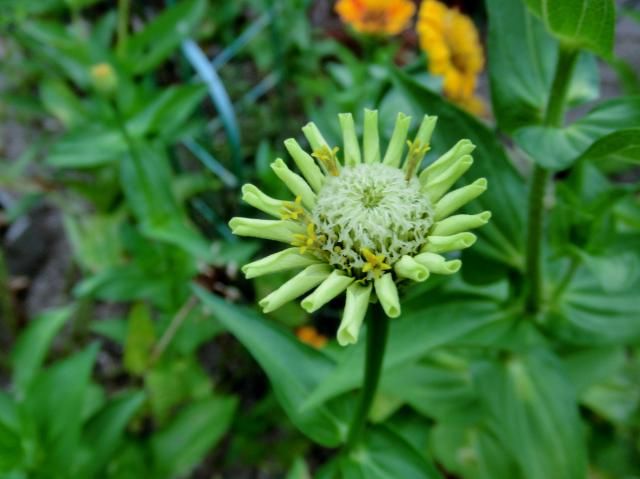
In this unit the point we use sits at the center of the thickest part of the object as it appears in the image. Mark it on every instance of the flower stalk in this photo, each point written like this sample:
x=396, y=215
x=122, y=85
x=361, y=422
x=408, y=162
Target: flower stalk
x=554, y=117
x=377, y=333
x=124, y=7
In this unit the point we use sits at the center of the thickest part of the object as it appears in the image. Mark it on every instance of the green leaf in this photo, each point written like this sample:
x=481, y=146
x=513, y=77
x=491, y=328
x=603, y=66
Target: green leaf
x=11, y=444
x=559, y=148
x=55, y=45
x=141, y=336
x=95, y=239
x=471, y=450
x=590, y=366
x=622, y=146
x=146, y=179
x=32, y=345
x=437, y=387
x=502, y=238
x=22, y=9
x=173, y=382
x=580, y=23
x=293, y=368
x=125, y=283
x=521, y=69
x=383, y=455
x=407, y=341
x=87, y=147
x=299, y=470
x=158, y=39
x=167, y=111
x=627, y=75
x=183, y=443
x=535, y=414
x=220, y=98
x=61, y=102
x=585, y=313
x=55, y=402
x=617, y=398
x=104, y=433
x=114, y=329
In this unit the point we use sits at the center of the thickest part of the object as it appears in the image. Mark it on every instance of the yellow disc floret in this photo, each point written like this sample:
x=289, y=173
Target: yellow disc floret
x=374, y=263
x=306, y=241
x=293, y=210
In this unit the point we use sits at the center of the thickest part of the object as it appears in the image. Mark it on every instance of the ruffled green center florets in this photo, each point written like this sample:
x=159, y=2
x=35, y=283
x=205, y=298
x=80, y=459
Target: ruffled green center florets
x=370, y=209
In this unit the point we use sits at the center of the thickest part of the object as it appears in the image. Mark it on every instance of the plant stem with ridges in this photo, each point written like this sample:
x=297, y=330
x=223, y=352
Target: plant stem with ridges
x=554, y=116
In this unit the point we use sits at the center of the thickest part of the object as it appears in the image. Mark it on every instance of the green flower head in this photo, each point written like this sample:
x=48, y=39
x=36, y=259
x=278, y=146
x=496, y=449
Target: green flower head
x=363, y=223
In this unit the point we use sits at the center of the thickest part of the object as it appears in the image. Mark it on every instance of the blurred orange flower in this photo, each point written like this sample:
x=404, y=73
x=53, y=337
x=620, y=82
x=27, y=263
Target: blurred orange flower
x=379, y=17
x=309, y=335
x=451, y=41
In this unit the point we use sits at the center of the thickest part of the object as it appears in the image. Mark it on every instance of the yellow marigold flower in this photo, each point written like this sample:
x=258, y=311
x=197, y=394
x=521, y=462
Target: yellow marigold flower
x=378, y=17
x=309, y=335
x=473, y=105
x=451, y=41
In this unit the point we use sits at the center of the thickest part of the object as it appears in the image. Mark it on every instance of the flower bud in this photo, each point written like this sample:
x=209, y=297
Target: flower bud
x=104, y=78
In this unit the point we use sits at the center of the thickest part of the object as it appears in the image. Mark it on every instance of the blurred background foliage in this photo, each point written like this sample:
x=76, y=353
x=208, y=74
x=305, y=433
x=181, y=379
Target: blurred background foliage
x=128, y=128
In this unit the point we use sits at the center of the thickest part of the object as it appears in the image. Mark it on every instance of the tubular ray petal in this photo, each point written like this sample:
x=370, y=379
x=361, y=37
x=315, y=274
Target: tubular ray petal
x=276, y=230
x=283, y=260
x=253, y=196
x=355, y=309
x=349, y=140
x=306, y=164
x=304, y=281
x=331, y=287
x=393, y=156
x=444, y=244
x=457, y=198
x=294, y=182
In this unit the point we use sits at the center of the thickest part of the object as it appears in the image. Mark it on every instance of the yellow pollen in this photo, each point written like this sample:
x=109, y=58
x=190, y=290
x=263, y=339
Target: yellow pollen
x=375, y=263
x=292, y=210
x=305, y=241
x=416, y=152
x=328, y=159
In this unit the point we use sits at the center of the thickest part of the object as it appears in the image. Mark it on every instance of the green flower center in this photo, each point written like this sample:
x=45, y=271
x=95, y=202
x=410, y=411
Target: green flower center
x=370, y=207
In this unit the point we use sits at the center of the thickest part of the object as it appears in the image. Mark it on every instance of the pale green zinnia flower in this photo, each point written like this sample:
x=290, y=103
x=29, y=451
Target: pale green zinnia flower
x=363, y=223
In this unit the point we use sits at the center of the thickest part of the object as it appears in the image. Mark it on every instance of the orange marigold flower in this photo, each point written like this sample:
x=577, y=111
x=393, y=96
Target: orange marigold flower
x=309, y=335
x=451, y=41
x=378, y=17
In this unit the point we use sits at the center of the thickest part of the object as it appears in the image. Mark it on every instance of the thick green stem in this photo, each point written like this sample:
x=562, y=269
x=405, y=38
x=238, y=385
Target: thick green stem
x=554, y=116
x=377, y=332
x=123, y=26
